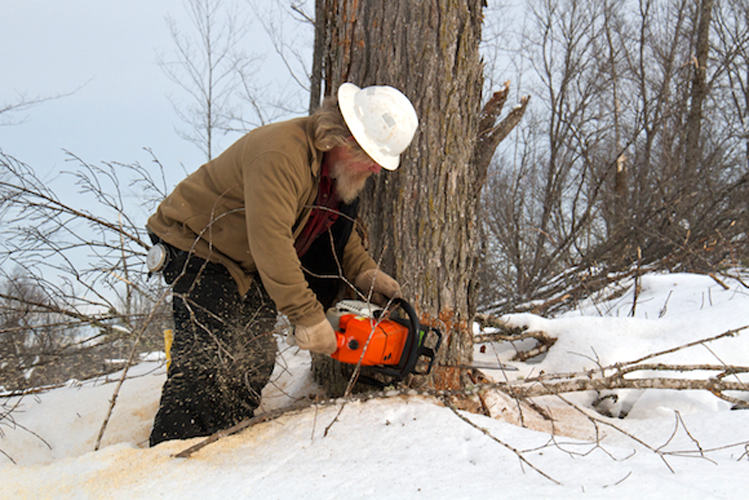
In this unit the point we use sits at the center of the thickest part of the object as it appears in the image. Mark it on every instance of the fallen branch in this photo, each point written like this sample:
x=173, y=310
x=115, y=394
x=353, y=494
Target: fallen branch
x=543, y=385
x=509, y=333
x=244, y=424
x=600, y=379
x=585, y=382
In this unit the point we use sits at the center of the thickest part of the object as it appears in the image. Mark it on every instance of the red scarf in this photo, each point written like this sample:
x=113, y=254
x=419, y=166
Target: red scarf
x=323, y=215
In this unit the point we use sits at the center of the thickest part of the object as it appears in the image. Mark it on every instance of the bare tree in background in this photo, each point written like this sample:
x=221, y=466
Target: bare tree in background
x=732, y=57
x=693, y=147
x=289, y=85
x=74, y=289
x=32, y=335
x=539, y=203
x=637, y=154
x=212, y=68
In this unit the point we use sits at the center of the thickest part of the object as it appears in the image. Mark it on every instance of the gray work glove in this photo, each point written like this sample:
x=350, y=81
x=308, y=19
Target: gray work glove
x=379, y=284
x=318, y=338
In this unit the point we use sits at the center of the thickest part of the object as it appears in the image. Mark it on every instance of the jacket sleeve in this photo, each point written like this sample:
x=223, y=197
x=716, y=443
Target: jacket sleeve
x=274, y=188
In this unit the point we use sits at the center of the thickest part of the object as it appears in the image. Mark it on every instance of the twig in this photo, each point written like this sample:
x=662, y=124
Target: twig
x=636, y=290
x=8, y=457
x=492, y=437
x=125, y=370
x=728, y=333
x=7, y=415
x=719, y=281
x=340, y=410
x=596, y=421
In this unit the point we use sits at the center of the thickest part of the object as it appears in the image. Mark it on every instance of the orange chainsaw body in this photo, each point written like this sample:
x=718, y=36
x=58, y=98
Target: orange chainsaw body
x=384, y=339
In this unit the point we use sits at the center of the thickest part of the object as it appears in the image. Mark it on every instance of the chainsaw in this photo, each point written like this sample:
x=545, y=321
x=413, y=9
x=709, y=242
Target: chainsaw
x=383, y=339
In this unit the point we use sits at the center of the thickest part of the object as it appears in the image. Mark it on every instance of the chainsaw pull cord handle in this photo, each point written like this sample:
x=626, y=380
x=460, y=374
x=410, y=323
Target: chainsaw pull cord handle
x=410, y=312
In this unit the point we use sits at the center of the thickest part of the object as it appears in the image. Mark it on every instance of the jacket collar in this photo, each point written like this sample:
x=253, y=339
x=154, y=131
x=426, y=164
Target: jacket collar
x=316, y=156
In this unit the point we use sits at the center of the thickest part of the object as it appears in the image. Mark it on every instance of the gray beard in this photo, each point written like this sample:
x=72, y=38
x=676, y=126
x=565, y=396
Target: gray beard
x=347, y=186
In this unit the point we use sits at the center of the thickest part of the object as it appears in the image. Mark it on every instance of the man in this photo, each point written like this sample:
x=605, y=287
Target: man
x=268, y=226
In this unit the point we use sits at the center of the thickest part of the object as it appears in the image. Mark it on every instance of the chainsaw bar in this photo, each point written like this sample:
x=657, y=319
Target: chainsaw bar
x=498, y=366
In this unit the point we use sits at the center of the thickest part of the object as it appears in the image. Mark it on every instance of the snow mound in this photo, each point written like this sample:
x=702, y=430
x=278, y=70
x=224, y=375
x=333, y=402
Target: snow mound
x=686, y=443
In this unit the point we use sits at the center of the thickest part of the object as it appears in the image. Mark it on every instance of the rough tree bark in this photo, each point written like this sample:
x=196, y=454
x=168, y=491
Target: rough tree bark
x=421, y=218
x=315, y=87
x=699, y=92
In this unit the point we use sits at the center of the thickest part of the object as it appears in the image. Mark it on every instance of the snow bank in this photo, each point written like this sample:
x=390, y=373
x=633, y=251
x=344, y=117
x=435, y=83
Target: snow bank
x=416, y=447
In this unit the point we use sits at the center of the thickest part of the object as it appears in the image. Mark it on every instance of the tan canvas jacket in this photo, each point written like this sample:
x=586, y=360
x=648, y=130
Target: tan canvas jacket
x=245, y=208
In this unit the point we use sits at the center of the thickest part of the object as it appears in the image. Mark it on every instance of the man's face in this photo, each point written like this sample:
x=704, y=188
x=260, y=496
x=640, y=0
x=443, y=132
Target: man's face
x=350, y=169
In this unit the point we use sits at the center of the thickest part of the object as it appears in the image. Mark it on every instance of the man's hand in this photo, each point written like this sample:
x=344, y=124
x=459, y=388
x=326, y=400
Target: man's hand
x=318, y=338
x=379, y=284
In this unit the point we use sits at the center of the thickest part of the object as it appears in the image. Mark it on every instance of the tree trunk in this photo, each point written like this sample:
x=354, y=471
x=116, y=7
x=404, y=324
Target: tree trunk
x=693, y=153
x=421, y=218
x=317, y=57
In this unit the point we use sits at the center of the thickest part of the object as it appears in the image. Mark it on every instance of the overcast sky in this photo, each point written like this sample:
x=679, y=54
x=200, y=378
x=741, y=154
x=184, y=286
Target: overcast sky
x=105, y=52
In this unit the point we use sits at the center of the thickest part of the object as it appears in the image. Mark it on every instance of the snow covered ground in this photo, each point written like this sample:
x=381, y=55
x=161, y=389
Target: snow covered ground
x=684, y=444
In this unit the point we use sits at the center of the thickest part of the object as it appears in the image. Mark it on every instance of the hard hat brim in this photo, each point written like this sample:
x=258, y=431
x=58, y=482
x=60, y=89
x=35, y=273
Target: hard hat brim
x=346, y=103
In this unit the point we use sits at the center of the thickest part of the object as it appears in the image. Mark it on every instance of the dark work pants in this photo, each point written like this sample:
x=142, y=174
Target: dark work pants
x=223, y=351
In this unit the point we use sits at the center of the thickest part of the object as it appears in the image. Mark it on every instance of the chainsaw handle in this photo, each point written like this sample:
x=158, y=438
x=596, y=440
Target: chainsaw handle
x=414, y=347
x=411, y=352
x=419, y=349
x=410, y=312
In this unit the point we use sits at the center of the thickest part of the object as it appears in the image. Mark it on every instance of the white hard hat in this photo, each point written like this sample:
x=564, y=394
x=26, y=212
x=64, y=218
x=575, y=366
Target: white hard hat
x=382, y=120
